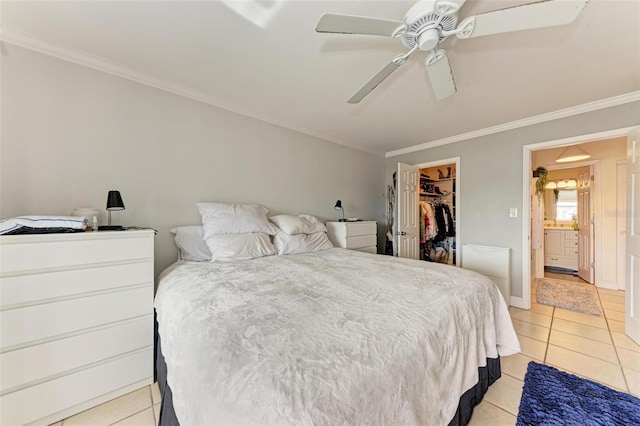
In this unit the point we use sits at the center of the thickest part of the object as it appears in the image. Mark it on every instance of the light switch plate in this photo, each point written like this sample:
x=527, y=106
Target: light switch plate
x=513, y=212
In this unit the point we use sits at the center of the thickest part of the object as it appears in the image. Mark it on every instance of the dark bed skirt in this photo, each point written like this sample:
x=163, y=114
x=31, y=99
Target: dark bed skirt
x=487, y=375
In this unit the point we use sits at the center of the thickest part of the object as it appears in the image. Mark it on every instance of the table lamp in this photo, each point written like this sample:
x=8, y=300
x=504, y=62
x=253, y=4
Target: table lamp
x=114, y=202
x=338, y=207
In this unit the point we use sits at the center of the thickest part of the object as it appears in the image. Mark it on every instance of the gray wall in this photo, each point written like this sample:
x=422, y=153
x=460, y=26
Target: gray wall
x=491, y=176
x=69, y=134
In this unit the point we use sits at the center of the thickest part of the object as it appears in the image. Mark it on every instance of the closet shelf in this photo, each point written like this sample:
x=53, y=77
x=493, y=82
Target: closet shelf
x=434, y=194
x=429, y=180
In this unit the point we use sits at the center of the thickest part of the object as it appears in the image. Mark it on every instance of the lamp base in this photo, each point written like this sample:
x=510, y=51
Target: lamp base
x=111, y=228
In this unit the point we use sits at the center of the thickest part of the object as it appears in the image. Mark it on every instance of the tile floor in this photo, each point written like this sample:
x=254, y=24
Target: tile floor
x=138, y=408
x=594, y=347
x=586, y=345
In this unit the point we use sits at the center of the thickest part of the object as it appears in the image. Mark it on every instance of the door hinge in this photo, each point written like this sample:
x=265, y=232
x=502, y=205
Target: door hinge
x=593, y=178
x=593, y=265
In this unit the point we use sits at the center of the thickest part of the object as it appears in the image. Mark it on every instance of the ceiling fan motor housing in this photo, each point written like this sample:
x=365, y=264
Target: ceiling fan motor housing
x=425, y=26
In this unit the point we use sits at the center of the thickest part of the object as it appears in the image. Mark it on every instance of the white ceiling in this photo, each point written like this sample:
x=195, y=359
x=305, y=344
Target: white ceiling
x=266, y=61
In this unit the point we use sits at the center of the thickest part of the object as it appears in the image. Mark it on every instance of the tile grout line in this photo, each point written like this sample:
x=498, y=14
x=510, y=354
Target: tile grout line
x=502, y=409
x=514, y=377
x=567, y=370
x=546, y=348
x=615, y=348
x=138, y=412
x=155, y=421
x=573, y=334
x=609, y=331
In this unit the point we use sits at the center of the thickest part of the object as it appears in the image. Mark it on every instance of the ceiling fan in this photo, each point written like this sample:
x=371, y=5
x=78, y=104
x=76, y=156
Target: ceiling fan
x=428, y=22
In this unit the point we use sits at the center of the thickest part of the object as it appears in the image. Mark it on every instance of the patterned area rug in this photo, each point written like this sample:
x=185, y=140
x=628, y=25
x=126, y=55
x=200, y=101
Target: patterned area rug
x=577, y=297
x=553, y=397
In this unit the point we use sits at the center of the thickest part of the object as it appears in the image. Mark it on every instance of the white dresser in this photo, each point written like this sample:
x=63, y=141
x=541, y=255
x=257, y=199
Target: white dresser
x=561, y=248
x=76, y=322
x=361, y=236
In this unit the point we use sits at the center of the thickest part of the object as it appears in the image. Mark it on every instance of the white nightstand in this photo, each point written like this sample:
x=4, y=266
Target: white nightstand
x=76, y=318
x=361, y=236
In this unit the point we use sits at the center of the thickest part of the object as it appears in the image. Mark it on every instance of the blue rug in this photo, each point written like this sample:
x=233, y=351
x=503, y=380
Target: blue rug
x=553, y=397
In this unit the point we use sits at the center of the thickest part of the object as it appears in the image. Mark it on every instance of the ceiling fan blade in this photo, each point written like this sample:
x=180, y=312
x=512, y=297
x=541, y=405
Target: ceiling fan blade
x=347, y=24
x=547, y=13
x=440, y=74
x=448, y=7
x=374, y=82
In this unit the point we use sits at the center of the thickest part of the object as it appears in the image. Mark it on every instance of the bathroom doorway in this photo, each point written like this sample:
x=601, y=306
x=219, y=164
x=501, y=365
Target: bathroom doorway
x=568, y=222
x=606, y=153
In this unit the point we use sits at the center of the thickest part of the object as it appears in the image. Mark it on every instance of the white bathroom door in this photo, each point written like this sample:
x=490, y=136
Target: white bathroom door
x=585, y=228
x=632, y=296
x=408, y=234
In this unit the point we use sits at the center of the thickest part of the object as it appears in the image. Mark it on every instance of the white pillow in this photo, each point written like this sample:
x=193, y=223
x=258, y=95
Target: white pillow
x=219, y=218
x=190, y=242
x=301, y=224
x=301, y=243
x=226, y=247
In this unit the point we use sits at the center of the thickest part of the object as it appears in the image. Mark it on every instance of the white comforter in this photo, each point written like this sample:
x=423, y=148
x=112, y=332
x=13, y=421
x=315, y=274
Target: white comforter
x=328, y=338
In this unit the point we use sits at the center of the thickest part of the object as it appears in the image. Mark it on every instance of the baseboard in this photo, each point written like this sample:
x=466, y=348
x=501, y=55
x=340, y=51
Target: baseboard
x=611, y=285
x=517, y=302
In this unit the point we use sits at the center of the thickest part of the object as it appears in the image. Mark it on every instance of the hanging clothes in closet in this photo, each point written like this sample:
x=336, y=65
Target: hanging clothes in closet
x=436, y=225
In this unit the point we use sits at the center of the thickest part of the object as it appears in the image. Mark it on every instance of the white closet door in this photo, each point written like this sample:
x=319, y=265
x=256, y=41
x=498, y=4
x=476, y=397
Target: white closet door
x=408, y=234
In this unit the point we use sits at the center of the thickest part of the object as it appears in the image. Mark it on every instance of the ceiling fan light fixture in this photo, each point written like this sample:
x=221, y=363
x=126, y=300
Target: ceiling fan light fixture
x=572, y=153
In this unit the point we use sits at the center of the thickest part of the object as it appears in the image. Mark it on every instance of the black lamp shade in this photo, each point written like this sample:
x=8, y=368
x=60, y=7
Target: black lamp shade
x=338, y=205
x=114, y=201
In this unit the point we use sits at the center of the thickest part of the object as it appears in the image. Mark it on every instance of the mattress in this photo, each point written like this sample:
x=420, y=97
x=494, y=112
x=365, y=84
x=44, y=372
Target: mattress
x=333, y=337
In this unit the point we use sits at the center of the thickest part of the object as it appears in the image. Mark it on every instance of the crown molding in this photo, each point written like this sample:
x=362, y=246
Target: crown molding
x=537, y=119
x=33, y=43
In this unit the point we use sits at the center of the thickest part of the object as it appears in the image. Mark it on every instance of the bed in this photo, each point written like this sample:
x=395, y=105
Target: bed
x=329, y=337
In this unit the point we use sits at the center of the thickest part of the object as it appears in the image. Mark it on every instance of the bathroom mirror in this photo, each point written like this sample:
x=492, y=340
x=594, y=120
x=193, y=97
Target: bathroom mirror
x=564, y=208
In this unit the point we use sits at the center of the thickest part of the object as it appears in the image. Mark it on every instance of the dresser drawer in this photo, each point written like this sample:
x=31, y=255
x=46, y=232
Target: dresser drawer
x=566, y=262
x=571, y=252
x=372, y=249
x=552, y=260
x=353, y=235
x=23, y=325
x=354, y=229
x=26, y=289
x=571, y=235
x=360, y=241
x=570, y=244
x=24, y=254
x=39, y=401
x=76, y=321
x=38, y=362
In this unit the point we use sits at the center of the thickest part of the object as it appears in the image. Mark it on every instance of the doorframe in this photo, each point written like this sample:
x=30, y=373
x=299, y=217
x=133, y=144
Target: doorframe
x=525, y=301
x=456, y=161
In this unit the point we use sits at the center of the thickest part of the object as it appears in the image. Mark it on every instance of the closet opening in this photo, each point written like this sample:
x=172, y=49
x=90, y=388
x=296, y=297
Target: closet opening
x=437, y=214
x=427, y=208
